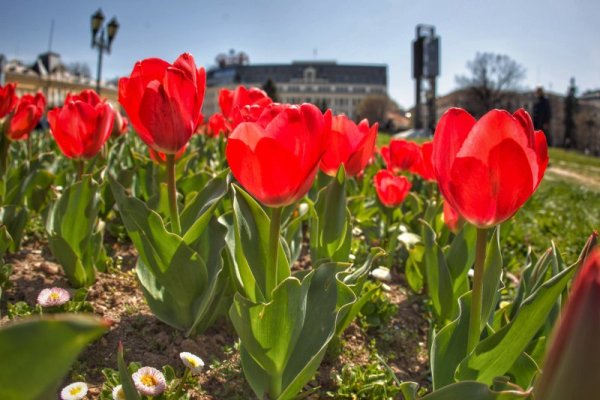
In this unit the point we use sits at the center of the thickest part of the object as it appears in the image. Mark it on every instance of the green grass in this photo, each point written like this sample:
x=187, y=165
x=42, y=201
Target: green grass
x=573, y=158
x=562, y=210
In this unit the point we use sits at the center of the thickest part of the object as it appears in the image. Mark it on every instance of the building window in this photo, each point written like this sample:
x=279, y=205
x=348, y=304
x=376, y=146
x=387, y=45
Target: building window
x=310, y=74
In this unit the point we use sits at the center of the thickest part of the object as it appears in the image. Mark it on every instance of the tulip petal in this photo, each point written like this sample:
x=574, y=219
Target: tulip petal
x=226, y=101
x=158, y=112
x=487, y=195
x=340, y=146
x=187, y=65
x=131, y=90
x=363, y=150
x=489, y=131
x=524, y=119
x=270, y=172
x=469, y=191
x=450, y=133
x=509, y=164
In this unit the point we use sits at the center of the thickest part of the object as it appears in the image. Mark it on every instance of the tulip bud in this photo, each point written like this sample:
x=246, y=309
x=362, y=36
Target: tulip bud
x=163, y=101
x=391, y=189
x=8, y=99
x=350, y=144
x=572, y=366
x=26, y=116
x=589, y=246
x=401, y=155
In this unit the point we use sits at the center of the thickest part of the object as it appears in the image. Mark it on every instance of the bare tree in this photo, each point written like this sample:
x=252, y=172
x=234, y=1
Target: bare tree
x=375, y=108
x=491, y=77
x=80, y=69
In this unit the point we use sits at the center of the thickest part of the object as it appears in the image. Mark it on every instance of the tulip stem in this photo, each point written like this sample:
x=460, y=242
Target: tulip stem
x=80, y=168
x=273, y=262
x=172, y=188
x=477, y=292
x=387, y=237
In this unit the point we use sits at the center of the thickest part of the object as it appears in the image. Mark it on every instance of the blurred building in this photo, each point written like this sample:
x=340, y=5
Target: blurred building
x=52, y=77
x=327, y=84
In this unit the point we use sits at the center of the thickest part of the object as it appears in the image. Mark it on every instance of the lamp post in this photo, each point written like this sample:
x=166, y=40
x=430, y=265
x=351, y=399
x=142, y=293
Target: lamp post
x=102, y=38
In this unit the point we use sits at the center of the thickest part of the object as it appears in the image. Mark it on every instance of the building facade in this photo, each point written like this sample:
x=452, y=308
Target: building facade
x=327, y=84
x=49, y=75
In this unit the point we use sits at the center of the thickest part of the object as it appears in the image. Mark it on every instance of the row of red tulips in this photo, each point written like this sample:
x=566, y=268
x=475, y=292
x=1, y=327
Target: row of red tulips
x=486, y=170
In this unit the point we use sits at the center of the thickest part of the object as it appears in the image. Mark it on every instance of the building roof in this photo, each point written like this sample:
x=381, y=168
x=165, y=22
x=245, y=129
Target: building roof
x=299, y=72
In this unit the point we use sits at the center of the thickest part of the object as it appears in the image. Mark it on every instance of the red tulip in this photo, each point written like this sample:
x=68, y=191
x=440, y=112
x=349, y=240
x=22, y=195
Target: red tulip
x=121, y=125
x=391, y=189
x=452, y=218
x=401, y=155
x=82, y=125
x=350, y=145
x=277, y=157
x=423, y=167
x=161, y=158
x=242, y=105
x=8, y=99
x=487, y=169
x=26, y=116
x=217, y=124
x=572, y=366
x=163, y=101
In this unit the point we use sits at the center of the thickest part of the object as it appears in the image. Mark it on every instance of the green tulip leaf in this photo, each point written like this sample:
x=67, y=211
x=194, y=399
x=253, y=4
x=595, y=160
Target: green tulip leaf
x=14, y=218
x=5, y=241
x=293, y=230
x=284, y=341
x=198, y=212
x=179, y=287
x=475, y=391
x=491, y=278
x=71, y=227
x=331, y=229
x=449, y=346
x=129, y=389
x=497, y=353
x=250, y=247
x=460, y=257
x=355, y=280
x=439, y=280
x=414, y=265
x=36, y=353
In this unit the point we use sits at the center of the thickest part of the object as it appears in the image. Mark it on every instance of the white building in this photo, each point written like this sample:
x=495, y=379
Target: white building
x=340, y=87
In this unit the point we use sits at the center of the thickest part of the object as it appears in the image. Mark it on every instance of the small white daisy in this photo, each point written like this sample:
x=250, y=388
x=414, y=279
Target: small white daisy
x=74, y=391
x=382, y=274
x=53, y=297
x=149, y=381
x=118, y=393
x=192, y=361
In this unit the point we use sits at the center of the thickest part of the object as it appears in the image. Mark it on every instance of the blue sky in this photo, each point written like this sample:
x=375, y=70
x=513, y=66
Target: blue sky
x=553, y=40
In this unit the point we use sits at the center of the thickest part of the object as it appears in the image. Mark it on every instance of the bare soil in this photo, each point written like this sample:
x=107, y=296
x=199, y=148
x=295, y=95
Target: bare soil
x=116, y=296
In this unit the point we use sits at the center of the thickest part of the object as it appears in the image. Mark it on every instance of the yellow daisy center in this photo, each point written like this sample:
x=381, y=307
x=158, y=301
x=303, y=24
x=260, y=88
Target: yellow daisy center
x=74, y=390
x=55, y=296
x=148, y=380
x=191, y=361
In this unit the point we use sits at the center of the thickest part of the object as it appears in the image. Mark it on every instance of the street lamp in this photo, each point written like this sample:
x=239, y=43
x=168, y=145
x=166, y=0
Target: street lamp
x=102, y=39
